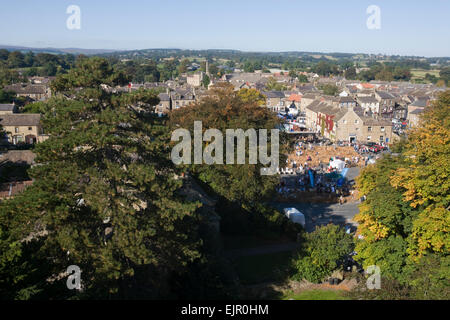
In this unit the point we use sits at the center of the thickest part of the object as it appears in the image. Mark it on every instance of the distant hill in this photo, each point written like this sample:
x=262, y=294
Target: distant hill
x=57, y=50
x=224, y=53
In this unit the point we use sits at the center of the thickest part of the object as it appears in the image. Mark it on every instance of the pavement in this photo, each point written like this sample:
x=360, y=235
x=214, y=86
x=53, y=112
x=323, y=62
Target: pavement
x=317, y=214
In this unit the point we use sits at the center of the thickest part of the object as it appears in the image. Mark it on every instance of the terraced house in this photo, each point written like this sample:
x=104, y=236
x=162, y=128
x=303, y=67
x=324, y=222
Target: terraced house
x=346, y=123
x=35, y=92
x=22, y=128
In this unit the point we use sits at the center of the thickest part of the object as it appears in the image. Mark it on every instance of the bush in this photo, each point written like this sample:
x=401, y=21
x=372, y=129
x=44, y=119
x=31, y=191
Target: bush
x=323, y=252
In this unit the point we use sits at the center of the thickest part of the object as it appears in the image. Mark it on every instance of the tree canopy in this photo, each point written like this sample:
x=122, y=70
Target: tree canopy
x=405, y=221
x=104, y=196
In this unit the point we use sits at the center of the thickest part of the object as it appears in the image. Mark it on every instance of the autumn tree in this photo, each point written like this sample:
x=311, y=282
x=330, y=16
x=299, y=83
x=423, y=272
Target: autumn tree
x=252, y=96
x=226, y=109
x=426, y=179
x=405, y=220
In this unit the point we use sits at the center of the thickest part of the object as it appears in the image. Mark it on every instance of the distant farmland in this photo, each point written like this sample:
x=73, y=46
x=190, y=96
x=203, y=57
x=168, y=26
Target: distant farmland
x=420, y=73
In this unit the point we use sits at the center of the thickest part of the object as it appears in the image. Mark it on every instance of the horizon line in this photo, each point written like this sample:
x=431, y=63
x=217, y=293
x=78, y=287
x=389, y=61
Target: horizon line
x=24, y=47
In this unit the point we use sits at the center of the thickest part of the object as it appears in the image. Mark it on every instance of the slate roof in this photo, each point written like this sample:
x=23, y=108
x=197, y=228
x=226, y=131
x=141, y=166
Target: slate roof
x=369, y=121
x=7, y=107
x=417, y=111
x=273, y=94
x=27, y=88
x=164, y=97
x=367, y=100
x=385, y=95
x=24, y=119
x=419, y=103
x=346, y=99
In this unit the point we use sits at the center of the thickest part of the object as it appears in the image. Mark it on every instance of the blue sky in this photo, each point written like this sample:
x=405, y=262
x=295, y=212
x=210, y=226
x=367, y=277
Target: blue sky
x=407, y=27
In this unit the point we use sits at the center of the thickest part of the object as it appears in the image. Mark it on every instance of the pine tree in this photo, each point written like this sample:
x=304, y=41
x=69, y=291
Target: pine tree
x=105, y=191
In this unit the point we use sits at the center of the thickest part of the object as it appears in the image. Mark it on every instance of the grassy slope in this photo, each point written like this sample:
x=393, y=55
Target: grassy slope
x=316, y=295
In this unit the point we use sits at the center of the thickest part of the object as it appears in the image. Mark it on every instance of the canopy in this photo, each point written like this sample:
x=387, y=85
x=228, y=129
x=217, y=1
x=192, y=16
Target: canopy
x=337, y=164
x=295, y=216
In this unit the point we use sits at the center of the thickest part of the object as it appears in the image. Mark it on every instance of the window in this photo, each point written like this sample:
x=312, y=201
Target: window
x=382, y=129
x=356, y=121
x=16, y=129
x=369, y=138
x=30, y=128
x=344, y=121
x=381, y=138
x=369, y=129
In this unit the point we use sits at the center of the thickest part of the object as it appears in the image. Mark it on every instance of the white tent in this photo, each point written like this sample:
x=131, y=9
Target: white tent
x=295, y=216
x=337, y=164
x=293, y=111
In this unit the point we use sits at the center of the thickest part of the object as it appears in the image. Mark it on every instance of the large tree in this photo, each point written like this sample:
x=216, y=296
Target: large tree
x=405, y=220
x=105, y=192
x=226, y=109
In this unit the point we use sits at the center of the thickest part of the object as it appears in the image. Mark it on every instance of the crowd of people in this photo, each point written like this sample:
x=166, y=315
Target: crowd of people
x=311, y=170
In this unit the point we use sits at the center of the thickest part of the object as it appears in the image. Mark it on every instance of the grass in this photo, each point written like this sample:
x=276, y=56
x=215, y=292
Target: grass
x=316, y=295
x=262, y=268
x=420, y=73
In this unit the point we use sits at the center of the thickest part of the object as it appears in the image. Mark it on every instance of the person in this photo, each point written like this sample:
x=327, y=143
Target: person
x=341, y=200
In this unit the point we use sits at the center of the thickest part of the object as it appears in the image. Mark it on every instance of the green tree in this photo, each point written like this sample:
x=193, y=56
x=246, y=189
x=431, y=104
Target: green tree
x=6, y=96
x=302, y=78
x=206, y=81
x=4, y=54
x=329, y=89
x=322, y=253
x=226, y=109
x=184, y=64
x=445, y=75
x=16, y=59
x=50, y=69
x=273, y=85
x=105, y=191
x=350, y=73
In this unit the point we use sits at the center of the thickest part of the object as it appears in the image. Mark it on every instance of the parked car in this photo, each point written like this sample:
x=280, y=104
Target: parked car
x=376, y=148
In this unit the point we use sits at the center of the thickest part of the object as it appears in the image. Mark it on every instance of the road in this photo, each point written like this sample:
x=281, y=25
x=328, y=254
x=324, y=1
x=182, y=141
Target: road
x=323, y=213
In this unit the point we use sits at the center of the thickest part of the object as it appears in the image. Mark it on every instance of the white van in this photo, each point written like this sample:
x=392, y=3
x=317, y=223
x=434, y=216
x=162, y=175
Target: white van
x=295, y=216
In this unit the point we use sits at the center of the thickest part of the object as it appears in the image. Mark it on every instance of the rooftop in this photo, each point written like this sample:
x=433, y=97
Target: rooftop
x=17, y=119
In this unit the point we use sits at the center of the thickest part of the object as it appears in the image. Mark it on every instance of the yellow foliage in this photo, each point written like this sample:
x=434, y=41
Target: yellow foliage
x=430, y=233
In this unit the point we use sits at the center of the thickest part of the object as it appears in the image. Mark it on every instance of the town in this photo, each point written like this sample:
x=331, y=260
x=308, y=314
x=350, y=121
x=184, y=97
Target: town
x=312, y=163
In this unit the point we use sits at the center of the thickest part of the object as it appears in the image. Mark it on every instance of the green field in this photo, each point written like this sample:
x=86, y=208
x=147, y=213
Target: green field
x=316, y=295
x=420, y=73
